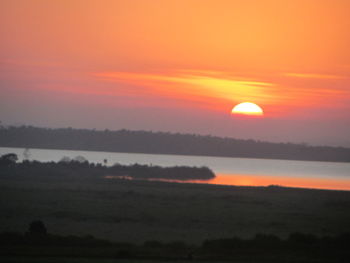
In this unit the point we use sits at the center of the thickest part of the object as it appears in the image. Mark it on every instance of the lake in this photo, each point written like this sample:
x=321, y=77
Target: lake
x=229, y=171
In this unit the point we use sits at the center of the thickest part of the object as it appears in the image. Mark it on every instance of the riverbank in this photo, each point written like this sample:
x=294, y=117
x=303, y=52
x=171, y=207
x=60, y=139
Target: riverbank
x=80, y=167
x=228, y=171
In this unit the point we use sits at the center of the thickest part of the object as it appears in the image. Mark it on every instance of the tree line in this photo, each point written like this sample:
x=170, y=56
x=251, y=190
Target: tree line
x=81, y=167
x=297, y=247
x=163, y=143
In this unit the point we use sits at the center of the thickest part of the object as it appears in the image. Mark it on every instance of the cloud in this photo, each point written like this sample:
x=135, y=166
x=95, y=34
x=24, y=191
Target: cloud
x=314, y=76
x=195, y=85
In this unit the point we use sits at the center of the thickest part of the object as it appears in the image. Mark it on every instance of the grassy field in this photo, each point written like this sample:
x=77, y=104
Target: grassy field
x=136, y=211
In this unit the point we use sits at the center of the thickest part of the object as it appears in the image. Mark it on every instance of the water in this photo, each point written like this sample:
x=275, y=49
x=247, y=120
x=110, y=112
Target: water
x=231, y=171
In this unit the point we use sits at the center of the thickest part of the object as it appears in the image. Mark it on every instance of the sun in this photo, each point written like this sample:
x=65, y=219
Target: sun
x=247, y=108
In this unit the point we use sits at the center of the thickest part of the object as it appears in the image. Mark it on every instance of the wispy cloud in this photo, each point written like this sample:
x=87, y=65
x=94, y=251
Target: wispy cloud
x=194, y=84
x=314, y=76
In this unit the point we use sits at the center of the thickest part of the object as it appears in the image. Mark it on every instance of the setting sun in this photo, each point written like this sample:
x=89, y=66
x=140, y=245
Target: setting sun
x=248, y=108
x=175, y=130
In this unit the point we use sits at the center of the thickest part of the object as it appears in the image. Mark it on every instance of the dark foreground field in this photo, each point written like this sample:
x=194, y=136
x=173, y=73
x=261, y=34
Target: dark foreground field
x=136, y=211
x=139, y=211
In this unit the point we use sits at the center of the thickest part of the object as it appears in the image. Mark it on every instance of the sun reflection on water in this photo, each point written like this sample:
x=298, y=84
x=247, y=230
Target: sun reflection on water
x=264, y=180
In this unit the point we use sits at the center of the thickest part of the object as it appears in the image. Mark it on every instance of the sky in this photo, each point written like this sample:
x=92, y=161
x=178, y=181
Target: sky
x=179, y=66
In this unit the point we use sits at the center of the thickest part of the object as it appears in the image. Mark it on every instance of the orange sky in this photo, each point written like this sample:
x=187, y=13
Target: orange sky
x=179, y=66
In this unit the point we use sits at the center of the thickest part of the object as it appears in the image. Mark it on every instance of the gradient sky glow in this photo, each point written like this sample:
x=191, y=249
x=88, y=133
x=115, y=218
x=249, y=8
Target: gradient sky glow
x=179, y=66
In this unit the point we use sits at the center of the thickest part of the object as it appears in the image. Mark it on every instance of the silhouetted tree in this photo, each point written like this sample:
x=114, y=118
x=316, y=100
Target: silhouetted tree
x=65, y=159
x=37, y=228
x=80, y=159
x=8, y=159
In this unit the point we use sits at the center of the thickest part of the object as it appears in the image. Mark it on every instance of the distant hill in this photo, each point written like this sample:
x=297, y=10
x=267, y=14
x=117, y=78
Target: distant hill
x=164, y=143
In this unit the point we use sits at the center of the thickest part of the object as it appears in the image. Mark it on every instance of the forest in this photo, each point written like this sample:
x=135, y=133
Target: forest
x=163, y=143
